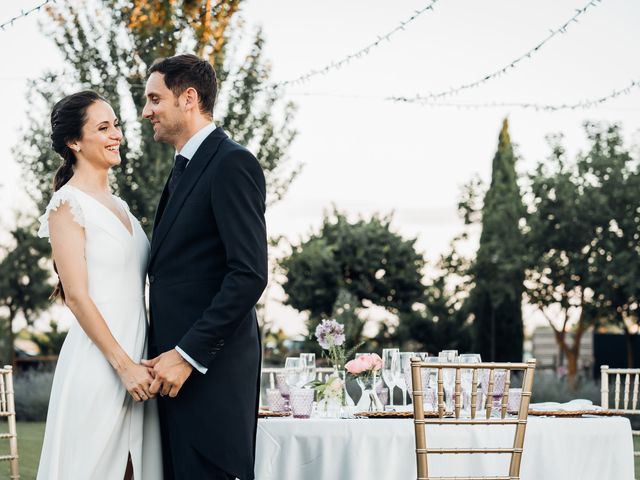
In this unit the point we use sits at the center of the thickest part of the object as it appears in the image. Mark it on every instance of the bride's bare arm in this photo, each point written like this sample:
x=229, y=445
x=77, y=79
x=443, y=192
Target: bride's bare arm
x=67, y=242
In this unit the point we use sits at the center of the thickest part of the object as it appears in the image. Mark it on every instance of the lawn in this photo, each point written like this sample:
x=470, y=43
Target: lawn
x=30, y=443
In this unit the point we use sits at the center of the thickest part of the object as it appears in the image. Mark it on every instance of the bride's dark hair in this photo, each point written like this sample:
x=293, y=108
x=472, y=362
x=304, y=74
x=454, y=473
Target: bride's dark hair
x=67, y=119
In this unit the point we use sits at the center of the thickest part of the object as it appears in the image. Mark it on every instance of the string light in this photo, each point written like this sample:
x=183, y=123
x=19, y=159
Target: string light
x=360, y=53
x=24, y=13
x=510, y=66
x=534, y=106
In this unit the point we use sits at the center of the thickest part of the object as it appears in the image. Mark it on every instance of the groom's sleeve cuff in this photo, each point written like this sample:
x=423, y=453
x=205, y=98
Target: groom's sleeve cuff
x=193, y=363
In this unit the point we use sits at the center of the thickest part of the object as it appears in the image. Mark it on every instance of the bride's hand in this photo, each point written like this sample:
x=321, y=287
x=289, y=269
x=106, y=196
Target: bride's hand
x=137, y=379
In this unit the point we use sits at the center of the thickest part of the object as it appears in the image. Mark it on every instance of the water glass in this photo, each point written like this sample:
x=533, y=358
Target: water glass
x=513, y=403
x=275, y=400
x=499, y=380
x=301, y=400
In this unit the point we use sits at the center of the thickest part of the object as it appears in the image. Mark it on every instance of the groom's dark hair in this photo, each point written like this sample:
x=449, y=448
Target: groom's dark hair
x=184, y=71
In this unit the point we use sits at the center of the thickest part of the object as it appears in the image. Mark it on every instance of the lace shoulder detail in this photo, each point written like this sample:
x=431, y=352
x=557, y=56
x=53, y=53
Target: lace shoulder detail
x=64, y=195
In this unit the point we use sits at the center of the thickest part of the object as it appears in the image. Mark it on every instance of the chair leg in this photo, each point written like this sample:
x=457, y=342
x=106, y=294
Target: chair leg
x=14, y=469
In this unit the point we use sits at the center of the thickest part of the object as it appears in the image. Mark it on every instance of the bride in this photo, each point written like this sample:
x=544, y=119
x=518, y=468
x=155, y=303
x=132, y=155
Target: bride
x=102, y=422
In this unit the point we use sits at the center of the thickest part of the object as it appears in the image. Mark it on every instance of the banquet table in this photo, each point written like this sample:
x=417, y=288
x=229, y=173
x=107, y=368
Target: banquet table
x=580, y=448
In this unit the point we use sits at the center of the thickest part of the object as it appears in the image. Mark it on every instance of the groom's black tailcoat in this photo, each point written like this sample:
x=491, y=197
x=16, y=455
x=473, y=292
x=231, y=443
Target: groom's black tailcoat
x=207, y=270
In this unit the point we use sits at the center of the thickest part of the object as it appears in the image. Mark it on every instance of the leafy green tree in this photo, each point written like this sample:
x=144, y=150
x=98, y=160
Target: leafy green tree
x=111, y=52
x=364, y=258
x=498, y=270
x=584, y=228
x=49, y=342
x=441, y=321
x=24, y=291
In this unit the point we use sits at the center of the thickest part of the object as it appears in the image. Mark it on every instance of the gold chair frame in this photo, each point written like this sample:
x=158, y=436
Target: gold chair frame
x=8, y=410
x=624, y=401
x=520, y=422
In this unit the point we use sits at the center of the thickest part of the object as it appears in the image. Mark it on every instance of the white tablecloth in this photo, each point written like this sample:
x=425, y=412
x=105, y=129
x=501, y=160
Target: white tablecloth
x=380, y=449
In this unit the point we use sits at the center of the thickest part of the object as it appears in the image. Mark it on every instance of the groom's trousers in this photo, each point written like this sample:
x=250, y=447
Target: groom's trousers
x=182, y=461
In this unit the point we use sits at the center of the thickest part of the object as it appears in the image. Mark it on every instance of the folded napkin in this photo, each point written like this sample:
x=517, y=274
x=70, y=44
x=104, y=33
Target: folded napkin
x=573, y=405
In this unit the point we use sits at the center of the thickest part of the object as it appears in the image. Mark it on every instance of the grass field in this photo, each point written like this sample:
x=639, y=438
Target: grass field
x=30, y=443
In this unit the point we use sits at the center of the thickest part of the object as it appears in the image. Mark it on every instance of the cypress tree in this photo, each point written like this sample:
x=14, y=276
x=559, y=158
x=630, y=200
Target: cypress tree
x=496, y=299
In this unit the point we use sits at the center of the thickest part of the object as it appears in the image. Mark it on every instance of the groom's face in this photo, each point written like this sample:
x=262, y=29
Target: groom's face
x=163, y=110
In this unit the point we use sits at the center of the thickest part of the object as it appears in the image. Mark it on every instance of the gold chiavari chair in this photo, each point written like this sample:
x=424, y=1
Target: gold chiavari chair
x=7, y=410
x=423, y=451
x=625, y=401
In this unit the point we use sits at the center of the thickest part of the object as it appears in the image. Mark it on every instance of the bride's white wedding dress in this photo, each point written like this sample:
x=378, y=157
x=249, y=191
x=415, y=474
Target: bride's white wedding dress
x=93, y=424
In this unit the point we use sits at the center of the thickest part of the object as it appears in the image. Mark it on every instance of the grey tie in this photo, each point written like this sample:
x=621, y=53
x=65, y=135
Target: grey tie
x=178, y=169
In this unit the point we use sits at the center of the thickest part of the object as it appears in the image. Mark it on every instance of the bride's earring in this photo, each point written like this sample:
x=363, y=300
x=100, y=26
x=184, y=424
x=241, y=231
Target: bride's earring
x=77, y=149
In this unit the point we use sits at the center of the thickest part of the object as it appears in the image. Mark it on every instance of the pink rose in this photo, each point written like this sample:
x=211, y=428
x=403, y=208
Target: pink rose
x=364, y=363
x=377, y=361
x=357, y=366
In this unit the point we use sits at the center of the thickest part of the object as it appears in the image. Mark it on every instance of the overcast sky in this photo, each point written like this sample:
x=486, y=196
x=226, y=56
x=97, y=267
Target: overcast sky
x=365, y=154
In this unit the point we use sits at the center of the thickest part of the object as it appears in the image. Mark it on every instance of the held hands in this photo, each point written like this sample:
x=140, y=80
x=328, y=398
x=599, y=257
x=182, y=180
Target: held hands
x=137, y=379
x=170, y=371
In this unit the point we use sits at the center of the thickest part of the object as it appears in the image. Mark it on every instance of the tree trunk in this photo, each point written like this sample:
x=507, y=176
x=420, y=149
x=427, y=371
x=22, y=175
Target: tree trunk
x=572, y=368
x=572, y=354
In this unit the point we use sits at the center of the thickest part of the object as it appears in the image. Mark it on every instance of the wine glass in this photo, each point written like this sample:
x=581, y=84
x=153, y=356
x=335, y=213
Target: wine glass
x=308, y=367
x=293, y=370
x=389, y=367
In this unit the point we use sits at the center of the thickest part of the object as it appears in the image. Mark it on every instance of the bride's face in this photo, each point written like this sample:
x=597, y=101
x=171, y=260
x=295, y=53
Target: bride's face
x=163, y=110
x=101, y=136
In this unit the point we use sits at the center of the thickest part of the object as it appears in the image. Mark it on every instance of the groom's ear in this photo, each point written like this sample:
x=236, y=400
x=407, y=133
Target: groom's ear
x=191, y=98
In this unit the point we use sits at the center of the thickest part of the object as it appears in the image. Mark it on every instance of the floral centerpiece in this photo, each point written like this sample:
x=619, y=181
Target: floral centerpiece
x=331, y=337
x=331, y=391
x=366, y=368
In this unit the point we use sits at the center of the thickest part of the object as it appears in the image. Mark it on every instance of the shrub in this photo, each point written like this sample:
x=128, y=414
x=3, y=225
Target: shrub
x=547, y=387
x=32, y=390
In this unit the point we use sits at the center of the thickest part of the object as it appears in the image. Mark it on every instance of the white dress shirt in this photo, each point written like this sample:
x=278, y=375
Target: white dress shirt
x=188, y=151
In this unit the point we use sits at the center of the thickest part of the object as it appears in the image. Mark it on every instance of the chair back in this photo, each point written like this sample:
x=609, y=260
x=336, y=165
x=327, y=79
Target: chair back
x=625, y=400
x=8, y=411
x=486, y=415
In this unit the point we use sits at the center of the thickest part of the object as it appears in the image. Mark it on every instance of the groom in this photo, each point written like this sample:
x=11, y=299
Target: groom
x=207, y=270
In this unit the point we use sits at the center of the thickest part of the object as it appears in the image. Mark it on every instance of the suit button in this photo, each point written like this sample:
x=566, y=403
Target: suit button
x=151, y=278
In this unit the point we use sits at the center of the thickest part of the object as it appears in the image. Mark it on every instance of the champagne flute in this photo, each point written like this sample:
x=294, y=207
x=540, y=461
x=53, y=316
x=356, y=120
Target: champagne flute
x=389, y=367
x=449, y=375
x=467, y=380
x=404, y=374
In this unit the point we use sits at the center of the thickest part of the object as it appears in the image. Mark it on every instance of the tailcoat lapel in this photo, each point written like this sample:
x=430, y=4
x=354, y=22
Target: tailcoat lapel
x=169, y=208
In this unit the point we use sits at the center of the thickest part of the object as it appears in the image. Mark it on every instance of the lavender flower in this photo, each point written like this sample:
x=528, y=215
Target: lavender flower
x=330, y=334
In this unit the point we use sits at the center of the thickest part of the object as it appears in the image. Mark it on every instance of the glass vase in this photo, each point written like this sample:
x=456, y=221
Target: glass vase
x=333, y=399
x=369, y=400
